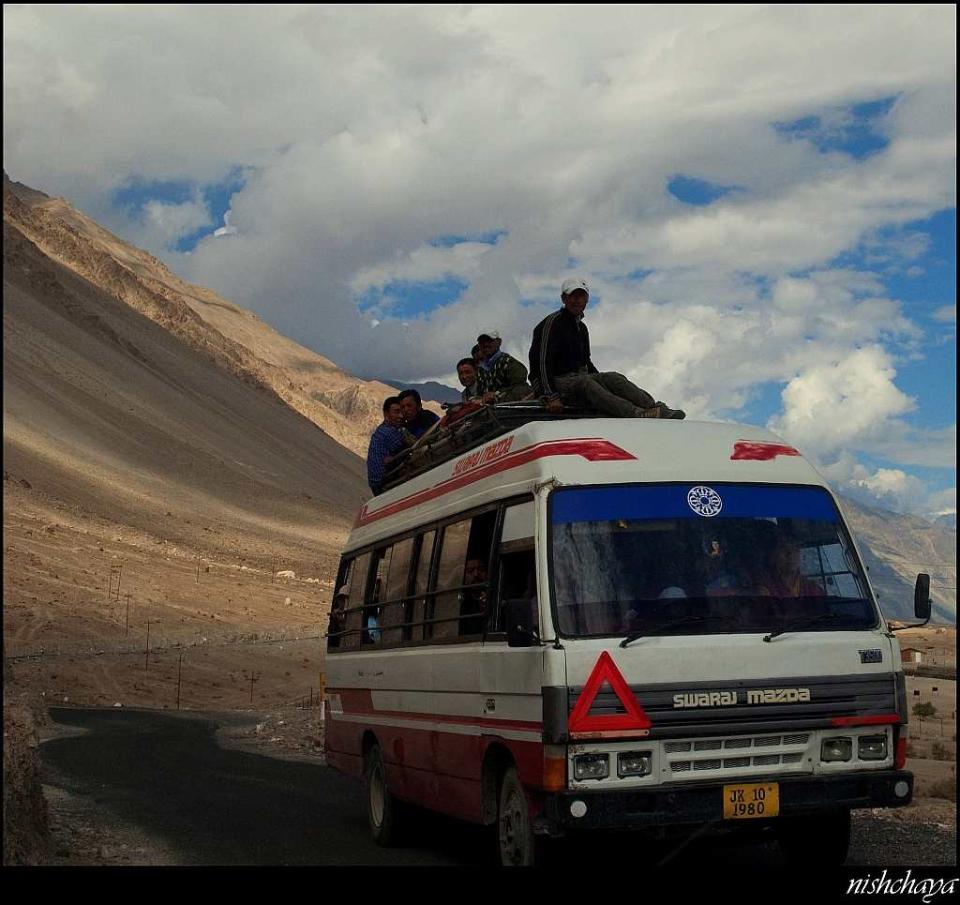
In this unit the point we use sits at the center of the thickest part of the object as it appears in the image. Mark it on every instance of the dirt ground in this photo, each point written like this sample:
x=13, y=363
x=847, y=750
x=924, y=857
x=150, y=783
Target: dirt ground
x=221, y=625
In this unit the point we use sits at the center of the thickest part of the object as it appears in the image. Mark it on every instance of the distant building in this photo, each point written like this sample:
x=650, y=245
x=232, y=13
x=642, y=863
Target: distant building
x=911, y=654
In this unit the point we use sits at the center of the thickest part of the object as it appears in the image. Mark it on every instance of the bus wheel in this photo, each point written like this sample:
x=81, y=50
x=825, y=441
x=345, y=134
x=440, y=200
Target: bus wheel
x=383, y=810
x=820, y=840
x=514, y=828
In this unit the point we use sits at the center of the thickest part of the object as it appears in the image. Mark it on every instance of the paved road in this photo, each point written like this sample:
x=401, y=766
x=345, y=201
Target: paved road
x=216, y=806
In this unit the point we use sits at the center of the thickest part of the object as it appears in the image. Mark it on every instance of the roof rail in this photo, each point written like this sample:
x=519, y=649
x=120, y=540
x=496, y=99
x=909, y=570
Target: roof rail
x=467, y=426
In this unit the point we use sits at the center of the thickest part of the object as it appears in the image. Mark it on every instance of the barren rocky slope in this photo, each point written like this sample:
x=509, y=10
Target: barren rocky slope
x=343, y=406
x=896, y=547
x=135, y=433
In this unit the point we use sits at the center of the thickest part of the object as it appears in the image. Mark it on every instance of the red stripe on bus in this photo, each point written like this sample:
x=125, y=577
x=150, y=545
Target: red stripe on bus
x=359, y=702
x=879, y=720
x=460, y=720
x=761, y=451
x=591, y=449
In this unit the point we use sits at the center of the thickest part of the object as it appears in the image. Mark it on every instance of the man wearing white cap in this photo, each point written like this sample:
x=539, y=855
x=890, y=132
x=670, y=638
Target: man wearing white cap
x=561, y=370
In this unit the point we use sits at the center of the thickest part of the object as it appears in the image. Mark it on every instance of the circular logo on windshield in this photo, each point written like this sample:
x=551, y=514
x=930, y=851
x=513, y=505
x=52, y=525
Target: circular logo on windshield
x=705, y=501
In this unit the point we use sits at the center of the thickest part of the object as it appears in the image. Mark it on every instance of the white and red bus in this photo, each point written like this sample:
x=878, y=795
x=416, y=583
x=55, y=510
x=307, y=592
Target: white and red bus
x=615, y=624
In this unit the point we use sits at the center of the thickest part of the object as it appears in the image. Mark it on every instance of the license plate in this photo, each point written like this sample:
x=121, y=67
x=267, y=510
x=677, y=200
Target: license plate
x=751, y=799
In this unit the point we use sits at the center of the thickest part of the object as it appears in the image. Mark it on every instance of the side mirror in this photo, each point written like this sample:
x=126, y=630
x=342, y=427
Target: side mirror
x=921, y=597
x=521, y=631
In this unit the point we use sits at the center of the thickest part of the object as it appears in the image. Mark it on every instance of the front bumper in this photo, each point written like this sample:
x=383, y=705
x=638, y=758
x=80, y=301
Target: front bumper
x=703, y=803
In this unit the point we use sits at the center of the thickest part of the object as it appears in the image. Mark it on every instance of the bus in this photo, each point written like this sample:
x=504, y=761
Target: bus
x=612, y=624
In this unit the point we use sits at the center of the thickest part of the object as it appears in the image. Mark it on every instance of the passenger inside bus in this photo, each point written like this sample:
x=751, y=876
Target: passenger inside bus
x=371, y=615
x=473, y=599
x=518, y=581
x=338, y=616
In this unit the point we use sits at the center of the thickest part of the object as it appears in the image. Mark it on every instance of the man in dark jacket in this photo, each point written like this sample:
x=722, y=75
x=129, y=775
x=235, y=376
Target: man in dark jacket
x=561, y=370
x=416, y=419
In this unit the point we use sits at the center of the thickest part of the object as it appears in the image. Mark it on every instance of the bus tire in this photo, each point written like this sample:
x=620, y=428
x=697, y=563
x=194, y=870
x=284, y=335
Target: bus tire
x=516, y=844
x=823, y=839
x=384, y=812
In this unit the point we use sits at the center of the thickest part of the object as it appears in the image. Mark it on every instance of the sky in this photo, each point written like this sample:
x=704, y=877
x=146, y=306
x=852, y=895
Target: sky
x=761, y=198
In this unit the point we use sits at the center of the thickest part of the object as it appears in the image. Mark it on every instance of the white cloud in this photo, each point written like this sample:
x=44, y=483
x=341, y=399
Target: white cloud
x=888, y=488
x=228, y=229
x=946, y=314
x=844, y=404
x=425, y=264
x=367, y=132
x=908, y=445
x=166, y=223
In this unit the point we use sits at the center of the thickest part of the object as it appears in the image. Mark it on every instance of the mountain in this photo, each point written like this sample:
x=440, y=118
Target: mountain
x=122, y=402
x=431, y=391
x=344, y=407
x=895, y=548
x=946, y=520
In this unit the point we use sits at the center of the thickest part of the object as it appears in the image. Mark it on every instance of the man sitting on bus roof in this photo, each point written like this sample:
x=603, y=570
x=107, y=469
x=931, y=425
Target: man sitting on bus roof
x=467, y=375
x=562, y=373
x=416, y=419
x=387, y=440
x=502, y=378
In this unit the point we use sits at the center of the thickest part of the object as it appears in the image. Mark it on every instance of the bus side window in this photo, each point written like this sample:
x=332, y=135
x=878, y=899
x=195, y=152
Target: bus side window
x=518, y=581
x=396, y=604
x=444, y=615
x=337, y=621
x=463, y=581
x=372, y=611
x=476, y=593
x=354, y=608
x=517, y=569
x=416, y=611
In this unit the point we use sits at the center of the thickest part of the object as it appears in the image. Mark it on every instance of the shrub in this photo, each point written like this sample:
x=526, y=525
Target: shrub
x=939, y=751
x=924, y=709
x=944, y=788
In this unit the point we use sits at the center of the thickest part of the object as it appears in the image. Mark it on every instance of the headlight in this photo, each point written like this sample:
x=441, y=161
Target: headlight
x=591, y=766
x=872, y=747
x=834, y=749
x=633, y=763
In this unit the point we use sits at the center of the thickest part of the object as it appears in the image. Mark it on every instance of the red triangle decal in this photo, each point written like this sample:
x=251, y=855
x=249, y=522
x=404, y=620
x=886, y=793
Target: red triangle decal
x=581, y=723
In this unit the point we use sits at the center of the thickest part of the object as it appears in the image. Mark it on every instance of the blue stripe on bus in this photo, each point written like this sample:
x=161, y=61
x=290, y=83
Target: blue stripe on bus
x=588, y=504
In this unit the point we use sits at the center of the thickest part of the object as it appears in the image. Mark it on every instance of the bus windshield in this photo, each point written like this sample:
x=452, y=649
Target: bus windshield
x=685, y=559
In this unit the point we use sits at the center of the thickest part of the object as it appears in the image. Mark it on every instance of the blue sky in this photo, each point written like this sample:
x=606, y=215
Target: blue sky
x=762, y=199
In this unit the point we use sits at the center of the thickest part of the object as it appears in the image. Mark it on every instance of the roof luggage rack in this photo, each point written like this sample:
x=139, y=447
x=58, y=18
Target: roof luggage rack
x=466, y=426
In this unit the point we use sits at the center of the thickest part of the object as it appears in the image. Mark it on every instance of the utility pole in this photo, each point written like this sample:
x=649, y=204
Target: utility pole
x=119, y=576
x=254, y=677
x=146, y=664
x=126, y=627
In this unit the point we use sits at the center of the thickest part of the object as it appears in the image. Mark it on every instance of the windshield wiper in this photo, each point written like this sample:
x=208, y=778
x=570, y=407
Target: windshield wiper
x=805, y=623
x=676, y=623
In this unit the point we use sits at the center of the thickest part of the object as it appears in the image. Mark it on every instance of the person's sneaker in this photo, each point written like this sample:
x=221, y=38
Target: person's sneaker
x=667, y=412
